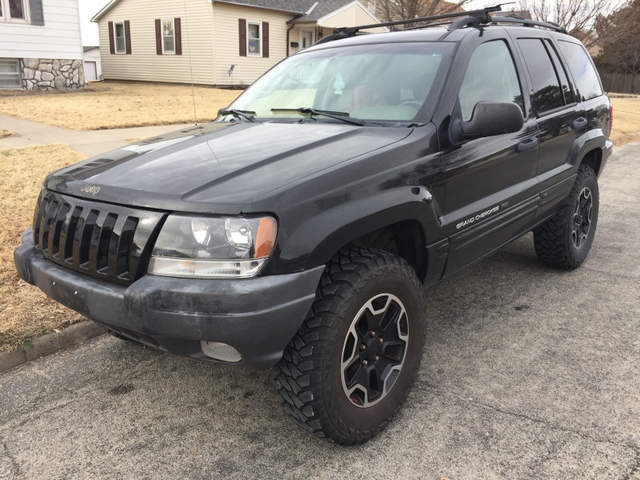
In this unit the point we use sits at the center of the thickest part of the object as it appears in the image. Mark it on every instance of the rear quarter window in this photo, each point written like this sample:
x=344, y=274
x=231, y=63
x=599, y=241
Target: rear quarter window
x=582, y=70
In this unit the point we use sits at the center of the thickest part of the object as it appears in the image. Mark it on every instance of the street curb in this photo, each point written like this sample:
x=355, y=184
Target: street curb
x=51, y=343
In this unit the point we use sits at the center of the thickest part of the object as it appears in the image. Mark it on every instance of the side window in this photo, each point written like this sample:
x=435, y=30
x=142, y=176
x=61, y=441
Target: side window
x=581, y=69
x=547, y=93
x=491, y=77
x=564, y=81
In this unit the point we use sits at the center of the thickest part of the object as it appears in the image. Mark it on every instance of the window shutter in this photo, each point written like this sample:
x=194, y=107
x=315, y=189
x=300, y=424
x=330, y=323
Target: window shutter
x=37, y=15
x=265, y=39
x=112, y=46
x=178, y=31
x=242, y=28
x=158, y=38
x=127, y=36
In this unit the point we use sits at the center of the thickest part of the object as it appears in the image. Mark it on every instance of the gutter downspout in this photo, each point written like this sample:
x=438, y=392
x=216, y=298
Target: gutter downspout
x=288, y=30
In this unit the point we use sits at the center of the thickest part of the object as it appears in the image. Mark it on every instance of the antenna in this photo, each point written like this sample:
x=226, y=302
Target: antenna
x=193, y=91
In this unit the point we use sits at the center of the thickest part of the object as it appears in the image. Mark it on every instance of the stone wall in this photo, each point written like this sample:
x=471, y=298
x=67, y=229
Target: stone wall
x=46, y=74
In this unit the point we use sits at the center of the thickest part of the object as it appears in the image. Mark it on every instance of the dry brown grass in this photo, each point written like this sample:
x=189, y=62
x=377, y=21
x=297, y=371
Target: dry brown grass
x=6, y=133
x=117, y=105
x=25, y=312
x=626, y=120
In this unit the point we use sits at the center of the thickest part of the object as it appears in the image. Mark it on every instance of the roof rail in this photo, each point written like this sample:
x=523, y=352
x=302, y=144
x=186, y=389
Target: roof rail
x=472, y=17
x=484, y=13
x=529, y=23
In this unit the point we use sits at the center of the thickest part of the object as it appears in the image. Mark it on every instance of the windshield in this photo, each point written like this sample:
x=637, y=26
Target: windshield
x=383, y=82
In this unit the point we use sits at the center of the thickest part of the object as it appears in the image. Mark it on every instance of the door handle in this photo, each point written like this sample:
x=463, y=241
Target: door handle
x=527, y=144
x=579, y=123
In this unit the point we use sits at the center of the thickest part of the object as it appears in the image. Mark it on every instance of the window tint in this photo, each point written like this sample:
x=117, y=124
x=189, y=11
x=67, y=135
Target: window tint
x=582, y=70
x=564, y=81
x=547, y=94
x=491, y=77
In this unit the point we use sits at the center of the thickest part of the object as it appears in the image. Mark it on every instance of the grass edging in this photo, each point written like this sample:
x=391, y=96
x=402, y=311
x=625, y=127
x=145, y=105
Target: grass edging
x=50, y=343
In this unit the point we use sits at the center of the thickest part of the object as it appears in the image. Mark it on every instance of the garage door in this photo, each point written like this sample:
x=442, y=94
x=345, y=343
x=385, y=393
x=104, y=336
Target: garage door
x=90, y=72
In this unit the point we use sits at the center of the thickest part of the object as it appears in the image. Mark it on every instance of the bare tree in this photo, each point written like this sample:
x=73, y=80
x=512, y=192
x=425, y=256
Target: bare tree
x=619, y=36
x=390, y=10
x=576, y=16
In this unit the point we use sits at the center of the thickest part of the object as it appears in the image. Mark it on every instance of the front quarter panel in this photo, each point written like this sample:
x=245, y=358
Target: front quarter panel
x=322, y=213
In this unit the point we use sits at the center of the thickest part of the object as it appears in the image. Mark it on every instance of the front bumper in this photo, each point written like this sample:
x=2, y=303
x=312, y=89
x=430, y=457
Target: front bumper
x=257, y=316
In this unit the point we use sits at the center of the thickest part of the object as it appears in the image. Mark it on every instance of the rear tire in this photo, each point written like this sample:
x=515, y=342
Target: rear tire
x=351, y=365
x=565, y=239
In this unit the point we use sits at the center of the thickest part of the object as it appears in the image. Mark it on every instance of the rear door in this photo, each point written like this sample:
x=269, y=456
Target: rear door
x=561, y=118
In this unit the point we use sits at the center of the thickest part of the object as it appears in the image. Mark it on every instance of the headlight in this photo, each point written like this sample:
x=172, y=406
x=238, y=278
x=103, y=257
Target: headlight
x=207, y=247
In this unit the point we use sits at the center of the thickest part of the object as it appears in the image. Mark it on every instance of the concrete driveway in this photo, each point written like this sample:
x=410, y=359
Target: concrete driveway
x=527, y=373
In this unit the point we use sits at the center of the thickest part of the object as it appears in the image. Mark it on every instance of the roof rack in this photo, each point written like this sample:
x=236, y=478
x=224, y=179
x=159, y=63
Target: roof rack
x=472, y=17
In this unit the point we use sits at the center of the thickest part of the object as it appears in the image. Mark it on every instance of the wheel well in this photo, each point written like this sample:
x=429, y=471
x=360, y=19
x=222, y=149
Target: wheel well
x=405, y=239
x=593, y=159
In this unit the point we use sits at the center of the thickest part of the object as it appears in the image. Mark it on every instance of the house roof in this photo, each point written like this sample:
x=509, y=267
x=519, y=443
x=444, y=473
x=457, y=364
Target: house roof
x=298, y=7
x=86, y=49
x=322, y=9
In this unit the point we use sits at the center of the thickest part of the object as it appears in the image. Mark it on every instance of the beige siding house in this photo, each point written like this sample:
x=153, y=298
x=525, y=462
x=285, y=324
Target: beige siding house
x=214, y=42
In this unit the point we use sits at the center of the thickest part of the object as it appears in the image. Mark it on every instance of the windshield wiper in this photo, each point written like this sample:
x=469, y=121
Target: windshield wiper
x=246, y=114
x=344, y=116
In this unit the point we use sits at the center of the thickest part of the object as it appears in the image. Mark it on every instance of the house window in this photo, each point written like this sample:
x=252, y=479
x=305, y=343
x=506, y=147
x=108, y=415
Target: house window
x=120, y=38
x=9, y=73
x=254, y=38
x=254, y=34
x=168, y=37
x=13, y=10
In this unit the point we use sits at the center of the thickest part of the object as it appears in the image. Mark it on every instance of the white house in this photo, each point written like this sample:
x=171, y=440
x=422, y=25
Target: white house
x=214, y=42
x=40, y=45
x=92, y=63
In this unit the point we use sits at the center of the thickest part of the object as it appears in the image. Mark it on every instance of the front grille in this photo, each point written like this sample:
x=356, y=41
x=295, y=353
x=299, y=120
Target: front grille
x=102, y=240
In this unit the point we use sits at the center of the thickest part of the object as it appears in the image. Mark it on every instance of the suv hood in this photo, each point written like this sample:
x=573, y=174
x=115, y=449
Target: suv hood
x=217, y=167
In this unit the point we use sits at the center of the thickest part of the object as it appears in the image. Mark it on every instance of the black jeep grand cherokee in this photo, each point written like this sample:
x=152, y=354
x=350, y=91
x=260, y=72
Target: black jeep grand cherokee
x=298, y=230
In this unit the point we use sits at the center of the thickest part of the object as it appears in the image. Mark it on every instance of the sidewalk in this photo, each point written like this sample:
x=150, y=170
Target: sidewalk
x=89, y=143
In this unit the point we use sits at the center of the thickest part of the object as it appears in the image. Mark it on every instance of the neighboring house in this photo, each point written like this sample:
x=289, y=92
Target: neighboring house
x=92, y=64
x=214, y=42
x=40, y=45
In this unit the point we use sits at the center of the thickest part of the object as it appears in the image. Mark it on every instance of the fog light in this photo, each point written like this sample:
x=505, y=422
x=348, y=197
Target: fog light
x=220, y=351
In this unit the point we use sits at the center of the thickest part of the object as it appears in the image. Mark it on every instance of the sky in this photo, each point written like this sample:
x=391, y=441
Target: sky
x=88, y=8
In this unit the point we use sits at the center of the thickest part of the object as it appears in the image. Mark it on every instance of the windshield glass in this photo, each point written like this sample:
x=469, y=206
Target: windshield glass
x=385, y=82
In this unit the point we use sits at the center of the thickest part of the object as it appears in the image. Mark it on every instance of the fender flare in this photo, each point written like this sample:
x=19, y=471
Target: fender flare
x=336, y=227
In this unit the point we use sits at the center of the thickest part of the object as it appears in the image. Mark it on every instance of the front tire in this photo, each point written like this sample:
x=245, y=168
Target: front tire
x=565, y=239
x=351, y=365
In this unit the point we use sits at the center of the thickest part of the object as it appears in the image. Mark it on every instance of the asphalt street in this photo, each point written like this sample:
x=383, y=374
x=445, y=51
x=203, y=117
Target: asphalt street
x=527, y=373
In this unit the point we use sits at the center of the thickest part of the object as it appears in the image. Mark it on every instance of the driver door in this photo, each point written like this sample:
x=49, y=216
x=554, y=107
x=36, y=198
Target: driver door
x=490, y=183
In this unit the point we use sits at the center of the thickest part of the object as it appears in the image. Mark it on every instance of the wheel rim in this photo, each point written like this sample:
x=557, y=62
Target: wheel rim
x=582, y=218
x=374, y=350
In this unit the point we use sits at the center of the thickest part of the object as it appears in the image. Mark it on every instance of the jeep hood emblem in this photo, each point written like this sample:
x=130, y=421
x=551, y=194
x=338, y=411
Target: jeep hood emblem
x=88, y=188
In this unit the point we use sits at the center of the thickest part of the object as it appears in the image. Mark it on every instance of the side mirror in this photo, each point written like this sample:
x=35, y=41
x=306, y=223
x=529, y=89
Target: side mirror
x=488, y=119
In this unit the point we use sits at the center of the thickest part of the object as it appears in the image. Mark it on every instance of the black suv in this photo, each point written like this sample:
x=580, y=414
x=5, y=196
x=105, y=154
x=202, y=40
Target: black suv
x=299, y=229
